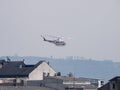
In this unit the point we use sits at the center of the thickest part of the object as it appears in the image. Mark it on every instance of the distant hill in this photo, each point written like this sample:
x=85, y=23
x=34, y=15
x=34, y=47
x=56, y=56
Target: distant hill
x=79, y=67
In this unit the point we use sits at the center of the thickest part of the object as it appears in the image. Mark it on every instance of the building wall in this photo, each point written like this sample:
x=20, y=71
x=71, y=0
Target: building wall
x=105, y=87
x=35, y=83
x=89, y=89
x=115, y=85
x=13, y=81
x=112, y=85
x=24, y=88
x=56, y=86
x=42, y=70
x=54, y=83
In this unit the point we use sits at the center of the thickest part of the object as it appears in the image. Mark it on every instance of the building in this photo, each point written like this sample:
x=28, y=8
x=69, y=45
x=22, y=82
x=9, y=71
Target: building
x=40, y=76
x=24, y=88
x=113, y=84
x=71, y=83
x=18, y=73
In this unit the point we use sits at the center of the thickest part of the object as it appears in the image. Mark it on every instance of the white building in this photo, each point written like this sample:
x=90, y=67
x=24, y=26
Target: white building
x=18, y=73
x=40, y=70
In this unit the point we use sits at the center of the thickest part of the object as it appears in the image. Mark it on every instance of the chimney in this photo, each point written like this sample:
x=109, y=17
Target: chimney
x=8, y=59
x=1, y=65
x=48, y=63
x=20, y=66
x=70, y=74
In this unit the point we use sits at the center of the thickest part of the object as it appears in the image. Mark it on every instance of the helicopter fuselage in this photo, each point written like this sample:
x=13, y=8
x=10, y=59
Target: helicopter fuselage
x=56, y=42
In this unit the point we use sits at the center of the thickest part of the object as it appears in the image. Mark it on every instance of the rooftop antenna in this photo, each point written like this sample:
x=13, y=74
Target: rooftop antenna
x=23, y=60
x=8, y=59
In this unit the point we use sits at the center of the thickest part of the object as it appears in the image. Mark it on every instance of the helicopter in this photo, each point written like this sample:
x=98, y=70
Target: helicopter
x=57, y=42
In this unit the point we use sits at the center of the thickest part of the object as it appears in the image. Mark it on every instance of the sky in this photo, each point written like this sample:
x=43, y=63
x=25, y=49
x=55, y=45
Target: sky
x=92, y=25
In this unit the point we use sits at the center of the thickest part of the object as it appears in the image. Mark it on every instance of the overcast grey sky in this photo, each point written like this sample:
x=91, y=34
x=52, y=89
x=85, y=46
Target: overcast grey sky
x=94, y=26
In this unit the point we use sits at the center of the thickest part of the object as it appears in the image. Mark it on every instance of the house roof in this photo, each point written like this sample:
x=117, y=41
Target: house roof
x=15, y=68
x=117, y=78
x=74, y=82
x=90, y=86
x=80, y=79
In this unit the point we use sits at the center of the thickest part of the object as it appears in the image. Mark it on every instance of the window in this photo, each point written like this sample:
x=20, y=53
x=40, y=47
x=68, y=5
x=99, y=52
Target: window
x=113, y=86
